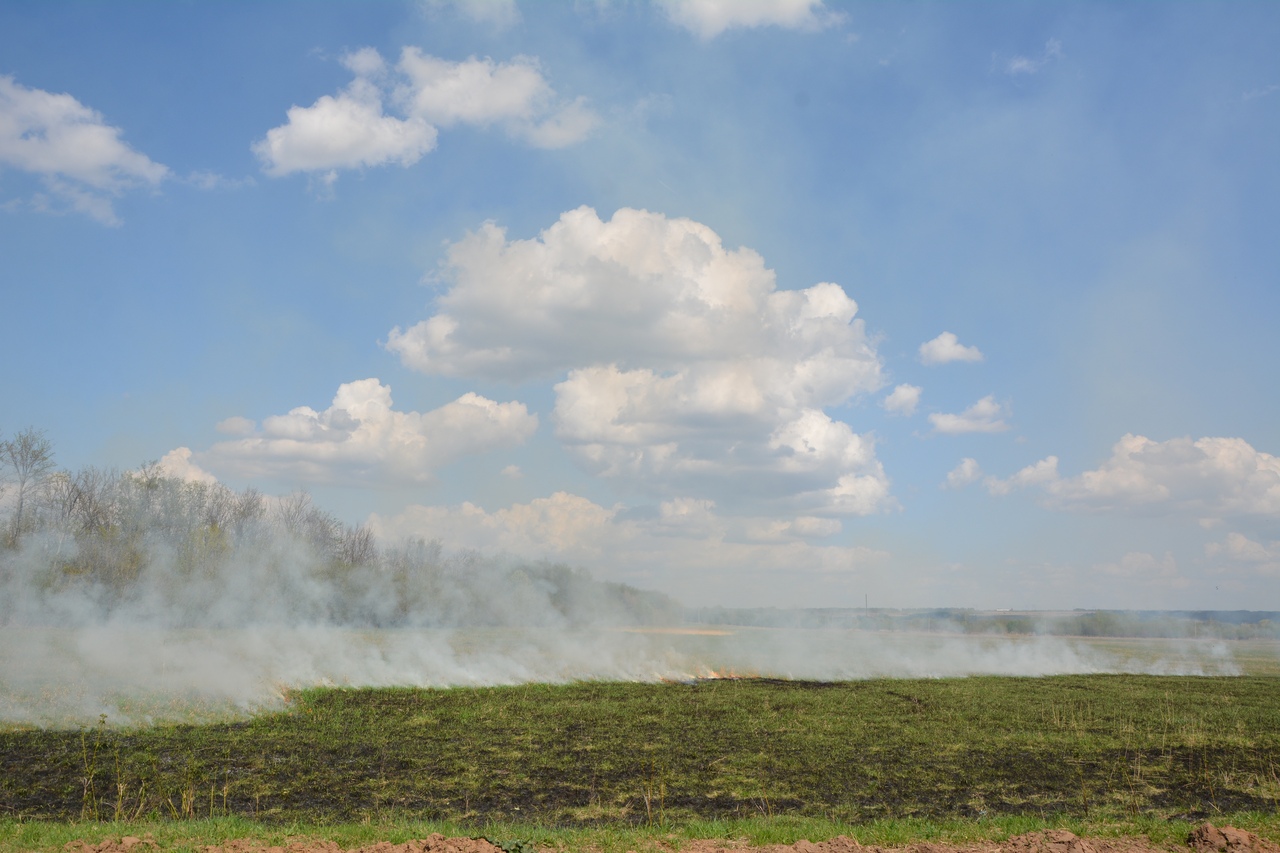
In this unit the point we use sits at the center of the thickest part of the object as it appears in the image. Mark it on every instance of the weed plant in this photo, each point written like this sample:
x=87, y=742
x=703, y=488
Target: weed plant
x=1085, y=748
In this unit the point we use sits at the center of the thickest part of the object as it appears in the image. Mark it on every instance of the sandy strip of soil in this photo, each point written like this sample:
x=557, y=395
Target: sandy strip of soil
x=1205, y=839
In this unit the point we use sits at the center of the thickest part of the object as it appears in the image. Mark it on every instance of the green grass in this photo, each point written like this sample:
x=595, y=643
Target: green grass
x=626, y=757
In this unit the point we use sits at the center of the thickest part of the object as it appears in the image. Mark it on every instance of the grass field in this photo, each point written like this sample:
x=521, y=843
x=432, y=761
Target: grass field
x=1094, y=748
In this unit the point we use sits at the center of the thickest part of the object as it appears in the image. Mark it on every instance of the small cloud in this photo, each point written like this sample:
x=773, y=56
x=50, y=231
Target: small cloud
x=968, y=471
x=986, y=415
x=205, y=180
x=1261, y=92
x=512, y=472
x=392, y=115
x=177, y=463
x=349, y=130
x=946, y=348
x=236, y=425
x=709, y=18
x=500, y=14
x=1143, y=567
x=1042, y=473
x=1032, y=65
x=903, y=400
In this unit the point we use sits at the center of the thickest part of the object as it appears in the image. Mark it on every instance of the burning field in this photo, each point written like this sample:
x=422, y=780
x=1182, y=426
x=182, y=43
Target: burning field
x=267, y=671
x=654, y=754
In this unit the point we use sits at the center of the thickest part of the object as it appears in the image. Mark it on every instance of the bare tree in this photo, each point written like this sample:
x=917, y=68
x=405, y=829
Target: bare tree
x=27, y=460
x=357, y=546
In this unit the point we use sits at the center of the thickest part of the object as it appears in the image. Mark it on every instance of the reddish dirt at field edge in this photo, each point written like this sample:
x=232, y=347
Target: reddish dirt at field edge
x=1205, y=839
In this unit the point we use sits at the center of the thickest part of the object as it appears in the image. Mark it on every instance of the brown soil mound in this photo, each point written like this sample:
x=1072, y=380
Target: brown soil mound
x=1205, y=839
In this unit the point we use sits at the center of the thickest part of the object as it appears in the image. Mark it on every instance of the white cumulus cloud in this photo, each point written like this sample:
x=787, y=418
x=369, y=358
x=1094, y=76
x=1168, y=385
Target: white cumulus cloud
x=945, y=348
x=684, y=363
x=1205, y=478
x=361, y=437
x=1044, y=472
x=177, y=463
x=902, y=400
x=986, y=415
x=346, y=131
x=82, y=160
x=968, y=471
x=709, y=18
x=392, y=114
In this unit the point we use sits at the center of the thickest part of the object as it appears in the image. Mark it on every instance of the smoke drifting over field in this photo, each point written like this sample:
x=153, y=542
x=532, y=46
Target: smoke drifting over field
x=143, y=597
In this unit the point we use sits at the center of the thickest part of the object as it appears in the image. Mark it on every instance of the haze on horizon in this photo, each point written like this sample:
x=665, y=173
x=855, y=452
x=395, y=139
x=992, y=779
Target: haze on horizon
x=772, y=303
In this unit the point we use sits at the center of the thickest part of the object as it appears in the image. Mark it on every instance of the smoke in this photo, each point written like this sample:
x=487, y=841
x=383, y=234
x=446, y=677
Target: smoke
x=148, y=599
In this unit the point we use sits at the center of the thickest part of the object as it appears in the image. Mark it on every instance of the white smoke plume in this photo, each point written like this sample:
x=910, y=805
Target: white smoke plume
x=147, y=598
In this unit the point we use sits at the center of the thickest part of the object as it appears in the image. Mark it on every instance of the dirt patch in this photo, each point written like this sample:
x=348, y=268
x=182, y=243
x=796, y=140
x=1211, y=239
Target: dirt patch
x=1205, y=839
x=1208, y=838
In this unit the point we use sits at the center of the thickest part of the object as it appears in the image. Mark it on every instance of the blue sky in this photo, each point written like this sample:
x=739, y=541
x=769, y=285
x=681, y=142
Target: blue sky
x=767, y=302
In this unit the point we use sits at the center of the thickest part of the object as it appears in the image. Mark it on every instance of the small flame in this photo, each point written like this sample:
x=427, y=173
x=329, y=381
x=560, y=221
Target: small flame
x=708, y=674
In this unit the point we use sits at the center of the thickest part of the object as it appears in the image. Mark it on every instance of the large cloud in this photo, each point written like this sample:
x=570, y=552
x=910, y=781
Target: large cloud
x=638, y=290
x=709, y=18
x=1204, y=478
x=353, y=128
x=685, y=364
x=361, y=437
x=81, y=158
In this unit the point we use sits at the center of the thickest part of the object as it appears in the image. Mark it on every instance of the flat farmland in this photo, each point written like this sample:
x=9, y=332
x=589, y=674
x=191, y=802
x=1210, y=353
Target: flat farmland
x=598, y=753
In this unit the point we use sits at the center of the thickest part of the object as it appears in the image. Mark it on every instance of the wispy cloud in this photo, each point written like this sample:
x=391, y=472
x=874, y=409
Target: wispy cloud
x=1260, y=92
x=1020, y=65
x=499, y=14
x=709, y=18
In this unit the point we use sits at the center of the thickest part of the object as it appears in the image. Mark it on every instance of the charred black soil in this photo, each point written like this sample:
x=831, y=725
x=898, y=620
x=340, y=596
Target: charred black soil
x=599, y=753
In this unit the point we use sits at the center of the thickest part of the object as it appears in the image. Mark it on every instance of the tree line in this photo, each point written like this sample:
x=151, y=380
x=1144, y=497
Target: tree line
x=101, y=541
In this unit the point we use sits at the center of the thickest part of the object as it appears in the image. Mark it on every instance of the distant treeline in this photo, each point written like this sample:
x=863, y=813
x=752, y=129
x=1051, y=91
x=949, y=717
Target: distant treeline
x=96, y=544
x=1220, y=624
